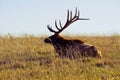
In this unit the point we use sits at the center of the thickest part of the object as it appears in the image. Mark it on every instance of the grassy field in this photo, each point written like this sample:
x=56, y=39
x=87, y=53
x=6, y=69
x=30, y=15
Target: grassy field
x=29, y=58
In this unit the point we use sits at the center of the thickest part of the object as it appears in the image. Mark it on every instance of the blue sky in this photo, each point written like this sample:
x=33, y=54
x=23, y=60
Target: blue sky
x=32, y=16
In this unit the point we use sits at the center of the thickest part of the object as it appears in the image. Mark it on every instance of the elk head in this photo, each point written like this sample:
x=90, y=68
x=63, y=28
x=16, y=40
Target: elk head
x=70, y=19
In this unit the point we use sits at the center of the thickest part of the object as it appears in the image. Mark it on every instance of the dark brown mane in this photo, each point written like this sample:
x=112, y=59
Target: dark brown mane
x=64, y=40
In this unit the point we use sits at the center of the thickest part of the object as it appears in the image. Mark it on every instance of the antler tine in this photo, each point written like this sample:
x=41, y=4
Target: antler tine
x=76, y=12
x=60, y=24
x=68, y=14
x=50, y=29
x=56, y=25
x=76, y=16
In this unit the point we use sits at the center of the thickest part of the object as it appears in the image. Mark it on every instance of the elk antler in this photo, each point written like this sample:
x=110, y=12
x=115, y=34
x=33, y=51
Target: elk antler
x=70, y=20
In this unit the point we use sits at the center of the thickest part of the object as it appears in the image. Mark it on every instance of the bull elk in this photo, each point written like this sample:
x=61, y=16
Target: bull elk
x=70, y=48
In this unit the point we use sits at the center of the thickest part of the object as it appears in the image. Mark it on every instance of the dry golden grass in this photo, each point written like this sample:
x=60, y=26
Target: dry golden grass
x=29, y=58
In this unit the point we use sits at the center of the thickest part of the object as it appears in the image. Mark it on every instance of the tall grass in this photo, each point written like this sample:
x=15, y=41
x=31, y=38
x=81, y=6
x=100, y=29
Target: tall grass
x=29, y=58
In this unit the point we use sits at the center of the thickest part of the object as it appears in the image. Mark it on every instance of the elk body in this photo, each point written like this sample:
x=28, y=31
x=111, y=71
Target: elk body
x=70, y=48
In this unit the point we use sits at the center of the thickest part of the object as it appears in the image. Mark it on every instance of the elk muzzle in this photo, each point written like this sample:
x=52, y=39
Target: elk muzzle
x=47, y=40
